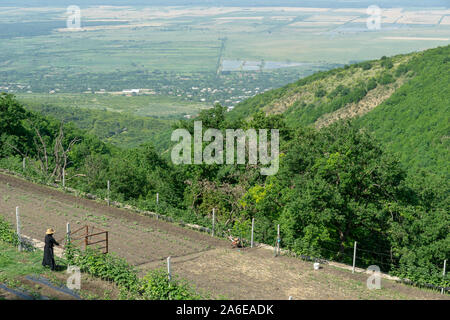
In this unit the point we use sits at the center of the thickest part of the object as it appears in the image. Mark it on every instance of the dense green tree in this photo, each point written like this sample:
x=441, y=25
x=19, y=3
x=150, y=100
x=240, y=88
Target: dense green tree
x=13, y=135
x=339, y=180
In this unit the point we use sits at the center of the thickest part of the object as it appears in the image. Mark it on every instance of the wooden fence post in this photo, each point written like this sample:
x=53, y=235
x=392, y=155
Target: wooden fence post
x=253, y=228
x=157, y=204
x=107, y=242
x=443, y=274
x=168, y=269
x=86, y=240
x=109, y=192
x=18, y=229
x=278, y=241
x=68, y=232
x=213, y=221
x=354, y=258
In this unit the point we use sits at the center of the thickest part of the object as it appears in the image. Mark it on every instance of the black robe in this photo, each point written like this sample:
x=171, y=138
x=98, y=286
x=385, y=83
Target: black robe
x=49, y=259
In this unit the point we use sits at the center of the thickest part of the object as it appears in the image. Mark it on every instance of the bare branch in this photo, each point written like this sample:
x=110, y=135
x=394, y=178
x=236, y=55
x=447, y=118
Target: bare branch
x=44, y=151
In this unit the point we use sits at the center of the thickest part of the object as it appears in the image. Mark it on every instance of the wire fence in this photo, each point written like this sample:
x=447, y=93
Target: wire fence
x=359, y=257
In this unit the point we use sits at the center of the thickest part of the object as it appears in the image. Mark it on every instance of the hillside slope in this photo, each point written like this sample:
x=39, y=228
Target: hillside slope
x=414, y=121
x=310, y=98
x=121, y=129
x=404, y=100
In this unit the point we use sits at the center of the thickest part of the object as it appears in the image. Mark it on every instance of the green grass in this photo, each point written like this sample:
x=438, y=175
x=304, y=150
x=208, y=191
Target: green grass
x=14, y=263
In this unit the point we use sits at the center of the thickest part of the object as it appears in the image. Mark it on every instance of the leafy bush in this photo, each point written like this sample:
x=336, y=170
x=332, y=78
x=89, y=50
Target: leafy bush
x=105, y=266
x=371, y=84
x=386, y=78
x=339, y=91
x=7, y=233
x=387, y=63
x=156, y=286
x=402, y=69
x=366, y=66
x=320, y=93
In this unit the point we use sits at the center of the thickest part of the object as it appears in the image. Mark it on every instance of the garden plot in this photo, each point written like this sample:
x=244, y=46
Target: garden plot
x=137, y=238
x=206, y=262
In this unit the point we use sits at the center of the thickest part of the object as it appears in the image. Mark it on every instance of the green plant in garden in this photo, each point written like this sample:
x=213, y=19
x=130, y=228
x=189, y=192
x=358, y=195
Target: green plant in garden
x=14, y=263
x=242, y=229
x=7, y=234
x=154, y=286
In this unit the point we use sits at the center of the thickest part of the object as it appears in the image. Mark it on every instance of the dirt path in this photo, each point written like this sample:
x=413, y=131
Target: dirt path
x=207, y=262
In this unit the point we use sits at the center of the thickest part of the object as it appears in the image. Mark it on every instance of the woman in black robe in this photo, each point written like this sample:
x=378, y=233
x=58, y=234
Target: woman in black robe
x=49, y=258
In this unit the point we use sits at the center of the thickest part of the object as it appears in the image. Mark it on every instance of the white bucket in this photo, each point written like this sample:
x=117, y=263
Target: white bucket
x=316, y=266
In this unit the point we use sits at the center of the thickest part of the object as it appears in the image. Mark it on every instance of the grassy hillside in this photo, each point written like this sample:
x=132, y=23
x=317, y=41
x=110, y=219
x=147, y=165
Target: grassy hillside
x=403, y=99
x=310, y=98
x=335, y=185
x=414, y=121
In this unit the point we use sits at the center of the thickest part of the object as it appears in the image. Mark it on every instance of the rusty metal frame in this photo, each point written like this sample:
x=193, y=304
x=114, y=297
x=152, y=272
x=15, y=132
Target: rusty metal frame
x=86, y=237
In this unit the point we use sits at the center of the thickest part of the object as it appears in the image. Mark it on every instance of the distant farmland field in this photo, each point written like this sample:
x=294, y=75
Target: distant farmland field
x=145, y=105
x=188, y=41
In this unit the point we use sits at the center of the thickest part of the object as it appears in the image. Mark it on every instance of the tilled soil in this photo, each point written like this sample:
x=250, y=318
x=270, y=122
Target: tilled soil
x=139, y=239
x=209, y=263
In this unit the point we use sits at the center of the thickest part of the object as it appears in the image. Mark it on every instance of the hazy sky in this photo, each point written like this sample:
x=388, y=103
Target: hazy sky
x=308, y=3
